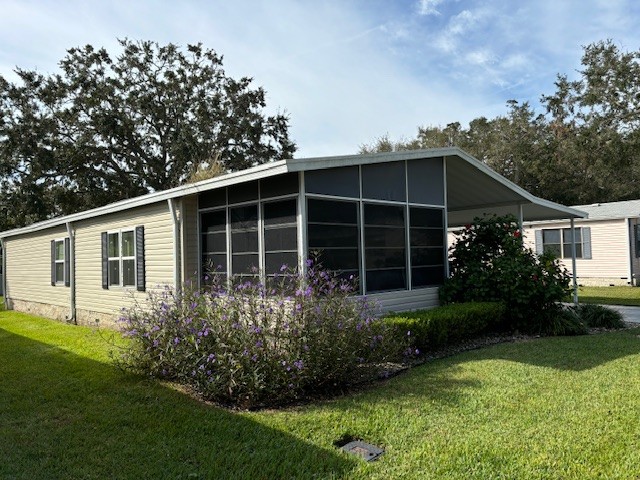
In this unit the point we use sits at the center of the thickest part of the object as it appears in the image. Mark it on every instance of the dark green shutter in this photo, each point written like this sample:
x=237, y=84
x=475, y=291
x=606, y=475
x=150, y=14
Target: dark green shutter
x=67, y=262
x=53, y=262
x=140, y=270
x=105, y=260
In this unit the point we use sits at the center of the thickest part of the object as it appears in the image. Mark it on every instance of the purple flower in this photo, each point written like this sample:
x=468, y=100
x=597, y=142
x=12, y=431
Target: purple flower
x=176, y=340
x=194, y=305
x=283, y=267
x=408, y=333
x=211, y=358
x=254, y=358
x=309, y=262
x=298, y=364
x=417, y=352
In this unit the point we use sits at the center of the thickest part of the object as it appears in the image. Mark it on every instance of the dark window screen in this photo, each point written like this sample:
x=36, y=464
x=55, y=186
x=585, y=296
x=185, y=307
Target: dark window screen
x=244, y=240
x=425, y=178
x=428, y=250
x=332, y=234
x=341, y=182
x=243, y=192
x=279, y=185
x=384, y=181
x=213, y=198
x=280, y=236
x=213, y=228
x=385, y=247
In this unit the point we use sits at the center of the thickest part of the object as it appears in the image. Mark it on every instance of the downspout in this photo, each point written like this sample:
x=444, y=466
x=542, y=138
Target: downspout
x=573, y=262
x=630, y=238
x=4, y=270
x=72, y=273
x=173, y=209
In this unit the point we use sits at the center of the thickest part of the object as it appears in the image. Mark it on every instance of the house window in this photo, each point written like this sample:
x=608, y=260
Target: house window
x=59, y=261
x=60, y=264
x=557, y=241
x=426, y=234
x=122, y=258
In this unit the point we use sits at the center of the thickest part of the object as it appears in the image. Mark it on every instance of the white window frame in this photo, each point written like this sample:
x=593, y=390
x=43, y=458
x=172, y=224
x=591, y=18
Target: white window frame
x=121, y=258
x=61, y=262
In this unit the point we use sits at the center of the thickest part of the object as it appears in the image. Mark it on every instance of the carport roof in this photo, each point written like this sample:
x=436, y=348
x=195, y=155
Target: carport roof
x=473, y=189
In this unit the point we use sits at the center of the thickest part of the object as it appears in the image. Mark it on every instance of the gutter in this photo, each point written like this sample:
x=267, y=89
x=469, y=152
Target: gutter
x=72, y=273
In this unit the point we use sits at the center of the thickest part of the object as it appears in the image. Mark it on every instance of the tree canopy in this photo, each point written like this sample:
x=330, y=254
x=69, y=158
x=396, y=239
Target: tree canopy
x=109, y=127
x=584, y=148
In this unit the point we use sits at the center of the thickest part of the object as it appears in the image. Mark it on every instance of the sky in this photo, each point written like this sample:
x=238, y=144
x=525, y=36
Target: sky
x=346, y=72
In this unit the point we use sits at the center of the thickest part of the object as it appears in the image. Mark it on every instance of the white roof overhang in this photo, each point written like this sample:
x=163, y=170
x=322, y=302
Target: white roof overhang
x=473, y=189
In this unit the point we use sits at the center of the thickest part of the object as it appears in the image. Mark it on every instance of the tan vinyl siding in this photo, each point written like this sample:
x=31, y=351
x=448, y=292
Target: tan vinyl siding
x=609, y=248
x=190, y=238
x=159, y=261
x=29, y=268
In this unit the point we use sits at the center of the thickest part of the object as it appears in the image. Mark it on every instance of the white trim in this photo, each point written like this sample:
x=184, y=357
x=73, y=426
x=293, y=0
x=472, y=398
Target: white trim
x=303, y=248
x=173, y=210
x=445, y=221
x=56, y=261
x=121, y=258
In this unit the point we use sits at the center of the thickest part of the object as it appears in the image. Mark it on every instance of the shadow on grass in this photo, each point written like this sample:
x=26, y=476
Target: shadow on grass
x=66, y=416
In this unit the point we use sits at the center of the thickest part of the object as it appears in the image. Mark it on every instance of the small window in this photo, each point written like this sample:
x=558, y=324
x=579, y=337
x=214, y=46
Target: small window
x=59, y=261
x=385, y=247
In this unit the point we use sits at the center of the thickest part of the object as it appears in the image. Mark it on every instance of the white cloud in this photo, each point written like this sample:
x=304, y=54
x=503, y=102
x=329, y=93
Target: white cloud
x=429, y=7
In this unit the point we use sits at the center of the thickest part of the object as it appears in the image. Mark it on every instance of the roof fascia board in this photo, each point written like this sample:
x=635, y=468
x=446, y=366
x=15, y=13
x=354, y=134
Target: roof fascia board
x=255, y=173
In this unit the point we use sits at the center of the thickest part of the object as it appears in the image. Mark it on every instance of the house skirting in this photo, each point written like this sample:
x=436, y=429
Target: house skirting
x=56, y=312
x=602, y=281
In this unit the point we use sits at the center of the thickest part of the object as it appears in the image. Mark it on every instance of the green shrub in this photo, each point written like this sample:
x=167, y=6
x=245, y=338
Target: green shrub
x=597, y=316
x=428, y=329
x=249, y=346
x=563, y=321
x=489, y=263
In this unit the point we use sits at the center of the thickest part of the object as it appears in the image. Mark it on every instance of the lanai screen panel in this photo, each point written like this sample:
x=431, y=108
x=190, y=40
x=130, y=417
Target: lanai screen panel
x=387, y=226
x=250, y=229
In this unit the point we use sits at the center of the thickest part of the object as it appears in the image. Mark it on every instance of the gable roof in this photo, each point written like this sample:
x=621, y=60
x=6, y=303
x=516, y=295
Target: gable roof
x=611, y=210
x=473, y=189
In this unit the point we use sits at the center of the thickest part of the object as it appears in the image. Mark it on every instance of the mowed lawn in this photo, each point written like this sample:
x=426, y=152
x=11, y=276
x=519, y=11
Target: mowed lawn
x=545, y=408
x=610, y=295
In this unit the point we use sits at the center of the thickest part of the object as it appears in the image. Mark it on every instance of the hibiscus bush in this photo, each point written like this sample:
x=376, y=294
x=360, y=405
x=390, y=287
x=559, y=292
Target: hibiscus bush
x=243, y=344
x=490, y=263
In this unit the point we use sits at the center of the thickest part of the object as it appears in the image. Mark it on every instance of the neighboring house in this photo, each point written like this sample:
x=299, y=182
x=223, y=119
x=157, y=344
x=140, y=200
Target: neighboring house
x=607, y=242
x=381, y=217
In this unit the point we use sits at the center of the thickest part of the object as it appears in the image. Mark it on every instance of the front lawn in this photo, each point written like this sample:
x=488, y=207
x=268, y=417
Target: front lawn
x=545, y=408
x=620, y=295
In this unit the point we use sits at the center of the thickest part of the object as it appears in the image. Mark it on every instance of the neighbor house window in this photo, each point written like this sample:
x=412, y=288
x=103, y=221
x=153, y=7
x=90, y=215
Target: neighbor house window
x=60, y=274
x=123, y=259
x=558, y=242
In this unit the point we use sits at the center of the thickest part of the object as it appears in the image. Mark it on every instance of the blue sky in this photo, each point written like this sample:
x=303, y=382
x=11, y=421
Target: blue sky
x=346, y=71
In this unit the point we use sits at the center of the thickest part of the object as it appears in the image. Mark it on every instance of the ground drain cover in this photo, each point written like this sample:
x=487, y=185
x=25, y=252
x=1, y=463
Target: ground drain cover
x=364, y=450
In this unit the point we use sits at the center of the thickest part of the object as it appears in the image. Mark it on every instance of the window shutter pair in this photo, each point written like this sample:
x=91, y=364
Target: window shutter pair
x=67, y=262
x=140, y=267
x=586, y=242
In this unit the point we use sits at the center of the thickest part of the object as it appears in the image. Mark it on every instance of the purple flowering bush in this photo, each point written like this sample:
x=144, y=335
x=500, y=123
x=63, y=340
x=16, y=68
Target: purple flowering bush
x=249, y=346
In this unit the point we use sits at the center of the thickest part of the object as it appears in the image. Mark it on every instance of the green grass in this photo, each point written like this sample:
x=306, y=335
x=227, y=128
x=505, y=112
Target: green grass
x=610, y=295
x=546, y=408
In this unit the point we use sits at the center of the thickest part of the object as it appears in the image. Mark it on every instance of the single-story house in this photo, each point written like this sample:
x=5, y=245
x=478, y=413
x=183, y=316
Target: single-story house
x=607, y=242
x=381, y=217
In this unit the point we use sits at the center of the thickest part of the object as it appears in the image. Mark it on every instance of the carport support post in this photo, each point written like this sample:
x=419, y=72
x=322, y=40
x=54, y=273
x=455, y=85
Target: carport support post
x=573, y=262
x=520, y=218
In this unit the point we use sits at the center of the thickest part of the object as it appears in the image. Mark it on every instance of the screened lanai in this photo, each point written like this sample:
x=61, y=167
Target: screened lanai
x=380, y=218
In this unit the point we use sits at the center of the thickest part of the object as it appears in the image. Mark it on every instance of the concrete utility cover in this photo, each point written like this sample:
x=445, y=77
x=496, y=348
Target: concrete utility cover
x=364, y=450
